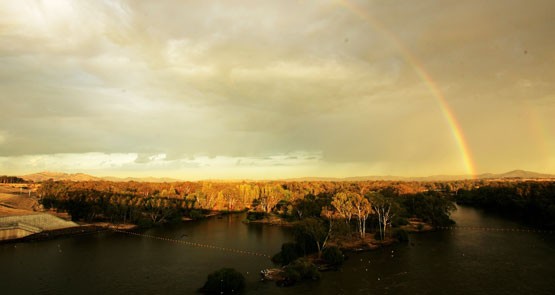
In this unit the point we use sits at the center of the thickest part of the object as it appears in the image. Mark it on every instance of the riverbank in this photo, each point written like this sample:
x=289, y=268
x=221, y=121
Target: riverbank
x=50, y=231
x=69, y=232
x=57, y=233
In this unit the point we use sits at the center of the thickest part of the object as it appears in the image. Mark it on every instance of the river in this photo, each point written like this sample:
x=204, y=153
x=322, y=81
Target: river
x=442, y=262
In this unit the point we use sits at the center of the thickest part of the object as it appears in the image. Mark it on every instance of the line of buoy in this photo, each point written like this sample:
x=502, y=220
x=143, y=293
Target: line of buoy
x=193, y=244
x=496, y=229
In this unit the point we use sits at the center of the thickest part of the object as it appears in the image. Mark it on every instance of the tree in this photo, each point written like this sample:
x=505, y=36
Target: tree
x=342, y=202
x=289, y=253
x=362, y=209
x=208, y=196
x=158, y=210
x=382, y=206
x=431, y=207
x=230, y=196
x=270, y=195
x=312, y=231
x=309, y=206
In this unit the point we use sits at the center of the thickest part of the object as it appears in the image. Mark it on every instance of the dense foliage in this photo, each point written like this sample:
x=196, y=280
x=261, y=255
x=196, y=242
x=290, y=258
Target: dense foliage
x=151, y=203
x=378, y=205
x=301, y=269
x=432, y=207
x=289, y=252
x=531, y=202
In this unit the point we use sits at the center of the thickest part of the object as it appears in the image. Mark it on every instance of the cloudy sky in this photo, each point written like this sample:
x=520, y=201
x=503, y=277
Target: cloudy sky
x=277, y=89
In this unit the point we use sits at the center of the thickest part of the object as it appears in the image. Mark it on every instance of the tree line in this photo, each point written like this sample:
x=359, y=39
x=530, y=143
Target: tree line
x=11, y=179
x=532, y=202
x=363, y=202
x=161, y=202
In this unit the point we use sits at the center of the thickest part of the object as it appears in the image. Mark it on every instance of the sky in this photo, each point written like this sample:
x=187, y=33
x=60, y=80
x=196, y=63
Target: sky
x=277, y=89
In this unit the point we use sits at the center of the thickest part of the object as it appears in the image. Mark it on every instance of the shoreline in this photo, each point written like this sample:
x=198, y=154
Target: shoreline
x=86, y=228
x=57, y=233
x=352, y=245
x=89, y=228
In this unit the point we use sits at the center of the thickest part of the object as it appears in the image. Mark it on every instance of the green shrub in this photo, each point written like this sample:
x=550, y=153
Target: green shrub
x=333, y=255
x=224, y=281
x=401, y=235
x=301, y=269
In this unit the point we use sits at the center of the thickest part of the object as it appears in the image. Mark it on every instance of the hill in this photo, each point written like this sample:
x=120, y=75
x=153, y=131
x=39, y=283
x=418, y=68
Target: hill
x=46, y=175
x=515, y=174
x=140, y=179
x=521, y=174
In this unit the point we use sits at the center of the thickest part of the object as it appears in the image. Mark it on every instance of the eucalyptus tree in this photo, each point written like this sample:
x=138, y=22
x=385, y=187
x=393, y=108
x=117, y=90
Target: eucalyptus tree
x=384, y=208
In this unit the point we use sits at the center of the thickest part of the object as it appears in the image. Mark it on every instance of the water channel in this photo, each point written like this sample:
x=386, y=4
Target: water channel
x=441, y=262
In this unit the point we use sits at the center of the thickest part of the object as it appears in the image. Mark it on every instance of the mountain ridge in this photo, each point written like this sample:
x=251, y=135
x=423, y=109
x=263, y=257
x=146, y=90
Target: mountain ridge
x=46, y=175
x=514, y=174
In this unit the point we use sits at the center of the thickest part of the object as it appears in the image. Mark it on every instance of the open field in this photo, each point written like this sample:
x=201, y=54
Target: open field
x=17, y=199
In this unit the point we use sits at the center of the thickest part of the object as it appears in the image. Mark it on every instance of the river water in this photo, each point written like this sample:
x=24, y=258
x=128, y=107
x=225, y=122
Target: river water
x=442, y=262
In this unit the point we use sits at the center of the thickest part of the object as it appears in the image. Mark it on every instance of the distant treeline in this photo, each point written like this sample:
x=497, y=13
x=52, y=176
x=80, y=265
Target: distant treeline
x=530, y=201
x=150, y=203
x=11, y=179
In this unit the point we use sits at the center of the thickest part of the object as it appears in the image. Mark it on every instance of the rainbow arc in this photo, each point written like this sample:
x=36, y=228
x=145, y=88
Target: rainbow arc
x=424, y=76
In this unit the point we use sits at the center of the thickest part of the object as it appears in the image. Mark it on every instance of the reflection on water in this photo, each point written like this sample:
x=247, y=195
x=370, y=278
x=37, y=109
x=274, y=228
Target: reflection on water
x=458, y=261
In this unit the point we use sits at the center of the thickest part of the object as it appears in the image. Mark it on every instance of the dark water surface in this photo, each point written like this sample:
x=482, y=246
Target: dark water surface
x=443, y=262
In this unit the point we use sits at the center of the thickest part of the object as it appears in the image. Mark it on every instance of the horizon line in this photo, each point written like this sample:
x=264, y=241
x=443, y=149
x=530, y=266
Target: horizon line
x=347, y=178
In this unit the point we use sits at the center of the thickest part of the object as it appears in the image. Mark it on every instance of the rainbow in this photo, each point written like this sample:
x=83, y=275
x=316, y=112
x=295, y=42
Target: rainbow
x=538, y=129
x=423, y=74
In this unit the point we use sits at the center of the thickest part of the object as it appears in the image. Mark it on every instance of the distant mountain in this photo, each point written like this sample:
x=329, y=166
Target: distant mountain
x=515, y=174
x=520, y=174
x=140, y=179
x=46, y=175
